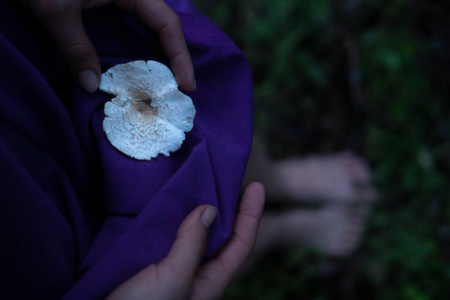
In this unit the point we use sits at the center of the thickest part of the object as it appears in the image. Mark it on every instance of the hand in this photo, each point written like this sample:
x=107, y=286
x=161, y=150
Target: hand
x=179, y=275
x=63, y=20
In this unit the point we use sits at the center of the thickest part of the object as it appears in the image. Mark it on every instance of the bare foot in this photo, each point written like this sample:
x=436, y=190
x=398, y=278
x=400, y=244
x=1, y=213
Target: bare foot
x=333, y=230
x=336, y=231
x=341, y=177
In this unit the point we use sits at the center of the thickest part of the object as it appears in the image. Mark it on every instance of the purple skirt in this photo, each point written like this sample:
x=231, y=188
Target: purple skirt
x=77, y=217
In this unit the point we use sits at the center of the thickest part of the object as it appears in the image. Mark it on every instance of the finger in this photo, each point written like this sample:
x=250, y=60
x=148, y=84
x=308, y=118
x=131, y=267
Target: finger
x=187, y=251
x=157, y=16
x=213, y=278
x=172, y=278
x=65, y=25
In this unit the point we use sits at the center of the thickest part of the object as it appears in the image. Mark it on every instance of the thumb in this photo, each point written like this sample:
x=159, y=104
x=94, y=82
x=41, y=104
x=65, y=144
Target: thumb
x=173, y=277
x=66, y=27
x=187, y=250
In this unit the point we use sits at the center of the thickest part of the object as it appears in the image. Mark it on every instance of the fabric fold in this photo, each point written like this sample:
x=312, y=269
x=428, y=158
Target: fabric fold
x=105, y=216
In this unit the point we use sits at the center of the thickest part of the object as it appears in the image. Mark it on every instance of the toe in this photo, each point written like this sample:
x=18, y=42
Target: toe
x=359, y=170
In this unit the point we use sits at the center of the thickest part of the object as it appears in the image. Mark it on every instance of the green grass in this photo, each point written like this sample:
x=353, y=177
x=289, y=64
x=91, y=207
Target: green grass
x=370, y=76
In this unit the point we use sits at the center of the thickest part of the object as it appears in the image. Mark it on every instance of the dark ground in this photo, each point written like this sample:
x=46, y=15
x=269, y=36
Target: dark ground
x=368, y=76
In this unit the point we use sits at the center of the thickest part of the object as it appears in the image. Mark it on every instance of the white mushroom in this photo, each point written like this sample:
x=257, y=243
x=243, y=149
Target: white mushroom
x=149, y=115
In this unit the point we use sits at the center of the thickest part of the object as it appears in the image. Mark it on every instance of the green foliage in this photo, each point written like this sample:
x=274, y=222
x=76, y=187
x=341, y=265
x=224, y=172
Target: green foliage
x=371, y=76
x=275, y=279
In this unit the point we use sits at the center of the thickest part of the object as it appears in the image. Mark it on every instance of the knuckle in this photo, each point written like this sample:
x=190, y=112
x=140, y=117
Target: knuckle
x=171, y=26
x=76, y=53
x=246, y=245
x=248, y=214
x=174, y=20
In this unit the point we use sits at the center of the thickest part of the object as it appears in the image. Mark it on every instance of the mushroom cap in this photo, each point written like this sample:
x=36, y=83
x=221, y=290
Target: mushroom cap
x=149, y=115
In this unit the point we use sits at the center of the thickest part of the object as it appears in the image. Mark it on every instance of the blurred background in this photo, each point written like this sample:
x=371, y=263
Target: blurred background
x=371, y=76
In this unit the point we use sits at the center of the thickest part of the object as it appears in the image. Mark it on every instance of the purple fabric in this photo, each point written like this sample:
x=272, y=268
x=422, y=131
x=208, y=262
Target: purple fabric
x=77, y=217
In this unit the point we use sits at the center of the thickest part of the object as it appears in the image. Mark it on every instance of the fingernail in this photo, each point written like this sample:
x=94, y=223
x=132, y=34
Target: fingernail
x=208, y=216
x=88, y=80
